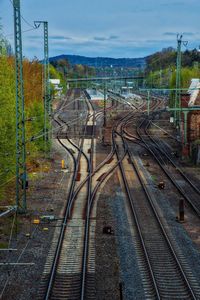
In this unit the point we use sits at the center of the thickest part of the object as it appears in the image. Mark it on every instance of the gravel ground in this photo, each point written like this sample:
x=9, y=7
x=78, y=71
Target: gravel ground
x=116, y=258
x=48, y=195
x=193, y=173
x=187, y=249
x=129, y=269
x=115, y=254
x=107, y=263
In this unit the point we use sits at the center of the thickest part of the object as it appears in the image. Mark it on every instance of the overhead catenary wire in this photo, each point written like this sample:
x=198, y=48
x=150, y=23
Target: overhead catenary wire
x=39, y=136
x=51, y=131
x=11, y=232
x=27, y=22
x=33, y=138
x=14, y=266
x=3, y=184
x=24, y=31
x=55, y=128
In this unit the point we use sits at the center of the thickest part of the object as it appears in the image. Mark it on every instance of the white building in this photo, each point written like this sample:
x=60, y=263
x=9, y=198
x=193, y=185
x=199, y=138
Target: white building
x=57, y=87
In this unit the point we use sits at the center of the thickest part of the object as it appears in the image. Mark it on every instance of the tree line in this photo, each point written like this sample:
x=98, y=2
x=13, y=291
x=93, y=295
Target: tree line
x=73, y=71
x=34, y=113
x=160, y=69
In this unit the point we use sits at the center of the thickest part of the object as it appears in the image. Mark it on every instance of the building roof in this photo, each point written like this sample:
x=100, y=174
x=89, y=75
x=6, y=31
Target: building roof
x=55, y=81
x=95, y=94
x=194, y=91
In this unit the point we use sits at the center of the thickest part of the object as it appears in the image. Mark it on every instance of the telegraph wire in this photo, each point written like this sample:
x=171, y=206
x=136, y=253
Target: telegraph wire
x=27, y=22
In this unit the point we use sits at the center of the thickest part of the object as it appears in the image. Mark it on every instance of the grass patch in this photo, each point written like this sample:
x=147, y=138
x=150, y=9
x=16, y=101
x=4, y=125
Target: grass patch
x=154, y=178
x=3, y=245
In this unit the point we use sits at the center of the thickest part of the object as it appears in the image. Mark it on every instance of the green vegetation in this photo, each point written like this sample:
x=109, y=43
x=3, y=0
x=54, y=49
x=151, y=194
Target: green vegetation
x=166, y=59
x=34, y=113
x=7, y=120
x=161, y=69
x=187, y=73
x=66, y=70
x=55, y=74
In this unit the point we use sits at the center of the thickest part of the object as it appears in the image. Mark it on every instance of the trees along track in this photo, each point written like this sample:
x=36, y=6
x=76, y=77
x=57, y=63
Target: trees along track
x=163, y=274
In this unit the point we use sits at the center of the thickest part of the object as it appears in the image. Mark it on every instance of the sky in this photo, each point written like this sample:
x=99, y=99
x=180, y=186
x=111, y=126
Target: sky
x=110, y=28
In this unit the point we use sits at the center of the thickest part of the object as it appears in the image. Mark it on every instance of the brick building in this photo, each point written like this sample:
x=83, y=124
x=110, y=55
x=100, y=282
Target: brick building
x=192, y=99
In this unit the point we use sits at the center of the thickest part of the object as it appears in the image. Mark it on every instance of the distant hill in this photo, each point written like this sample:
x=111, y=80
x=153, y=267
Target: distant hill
x=101, y=61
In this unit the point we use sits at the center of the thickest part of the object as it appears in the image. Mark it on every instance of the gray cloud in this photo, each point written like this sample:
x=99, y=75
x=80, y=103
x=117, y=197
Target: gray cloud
x=52, y=37
x=176, y=3
x=59, y=37
x=117, y=31
x=188, y=33
x=99, y=38
x=34, y=37
x=175, y=34
x=111, y=37
x=170, y=33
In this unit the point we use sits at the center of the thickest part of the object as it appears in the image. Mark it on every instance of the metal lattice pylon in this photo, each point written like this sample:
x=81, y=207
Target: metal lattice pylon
x=47, y=102
x=20, y=113
x=178, y=79
x=46, y=75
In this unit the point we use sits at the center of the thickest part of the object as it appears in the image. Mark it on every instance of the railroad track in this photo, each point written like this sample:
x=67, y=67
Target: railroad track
x=70, y=265
x=72, y=273
x=185, y=187
x=188, y=190
x=63, y=279
x=163, y=274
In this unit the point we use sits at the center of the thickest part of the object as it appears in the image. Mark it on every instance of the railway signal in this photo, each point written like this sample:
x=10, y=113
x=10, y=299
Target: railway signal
x=21, y=176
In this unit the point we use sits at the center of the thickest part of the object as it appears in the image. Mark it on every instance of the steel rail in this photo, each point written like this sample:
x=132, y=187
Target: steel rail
x=134, y=214
x=72, y=197
x=161, y=226
x=180, y=190
x=171, y=160
x=62, y=232
x=91, y=197
x=86, y=231
x=158, y=220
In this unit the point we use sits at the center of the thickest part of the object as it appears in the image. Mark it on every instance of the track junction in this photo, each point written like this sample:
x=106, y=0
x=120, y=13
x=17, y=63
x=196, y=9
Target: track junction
x=70, y=267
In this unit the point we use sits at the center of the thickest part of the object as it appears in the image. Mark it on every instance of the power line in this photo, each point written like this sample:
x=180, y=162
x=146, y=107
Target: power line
x=12, y=34
x=27, y=22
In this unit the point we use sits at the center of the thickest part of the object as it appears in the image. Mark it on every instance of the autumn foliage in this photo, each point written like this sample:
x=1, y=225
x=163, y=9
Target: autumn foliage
x=34, y=111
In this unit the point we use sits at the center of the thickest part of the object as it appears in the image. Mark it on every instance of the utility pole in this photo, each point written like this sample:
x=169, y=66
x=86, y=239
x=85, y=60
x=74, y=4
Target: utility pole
x=160, y=78
x=148, y=102
x=178, y=80
x=21, y=176
x=177, y=113
x=47, y=102
x=104, y=105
